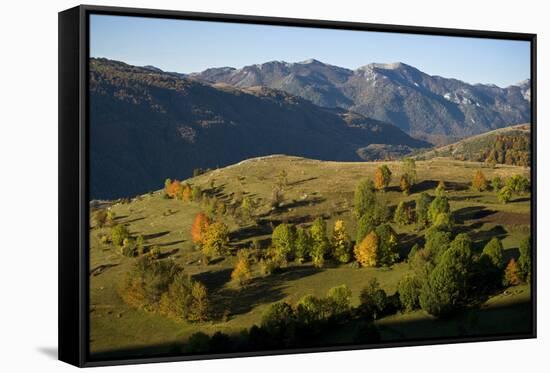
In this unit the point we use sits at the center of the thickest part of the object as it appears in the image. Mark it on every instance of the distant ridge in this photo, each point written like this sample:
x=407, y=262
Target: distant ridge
x=437, y=109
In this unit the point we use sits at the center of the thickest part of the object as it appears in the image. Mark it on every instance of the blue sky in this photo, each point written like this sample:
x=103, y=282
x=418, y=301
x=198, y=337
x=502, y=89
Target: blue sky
x=191, y=46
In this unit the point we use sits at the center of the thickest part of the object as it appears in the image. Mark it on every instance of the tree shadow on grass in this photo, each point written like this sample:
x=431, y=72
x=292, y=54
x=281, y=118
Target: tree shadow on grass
x=155, y=235
x=471, y=213
x=260, y=290
x=406, y=241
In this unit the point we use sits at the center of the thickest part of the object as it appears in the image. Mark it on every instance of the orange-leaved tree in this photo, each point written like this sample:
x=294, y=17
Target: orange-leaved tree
x=382, y=177
x=200, y=224
x=479, y=182
x=511, y=273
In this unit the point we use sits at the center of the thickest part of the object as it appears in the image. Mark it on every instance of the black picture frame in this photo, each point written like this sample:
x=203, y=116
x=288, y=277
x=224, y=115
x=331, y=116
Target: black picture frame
x=73, y=174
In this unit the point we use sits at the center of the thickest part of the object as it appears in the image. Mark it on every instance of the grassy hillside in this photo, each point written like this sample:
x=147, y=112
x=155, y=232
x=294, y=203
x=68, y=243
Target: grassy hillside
x=313, y=189
x=509, y=145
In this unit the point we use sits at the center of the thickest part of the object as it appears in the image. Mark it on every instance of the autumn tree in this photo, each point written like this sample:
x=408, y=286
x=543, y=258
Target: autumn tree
x=199, y=227
x=512, y=274
x=184, y=193
x=341, y=243
x=319, y=242
x=366, y=252
x=283, y=238
x=215, y=239
x=172, y=188
x=382, y=177
x=242, y=272
x=479, y=182
x=200, y=306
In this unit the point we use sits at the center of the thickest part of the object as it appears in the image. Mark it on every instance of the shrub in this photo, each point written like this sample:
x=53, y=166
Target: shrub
x=154, y=252
x=196, y=193
x=409, y=291
x=479, y=182
x=140, y=245
x=128, y=247
x=268, y=266
x=341, y=242
x=504, y=195
x=118, y=234
x=382, y=177
x=99, y=218
x=283, y=238
x=366, y=252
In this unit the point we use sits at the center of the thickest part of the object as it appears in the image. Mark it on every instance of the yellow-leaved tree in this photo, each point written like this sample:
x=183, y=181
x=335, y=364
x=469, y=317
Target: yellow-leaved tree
x=366, y=252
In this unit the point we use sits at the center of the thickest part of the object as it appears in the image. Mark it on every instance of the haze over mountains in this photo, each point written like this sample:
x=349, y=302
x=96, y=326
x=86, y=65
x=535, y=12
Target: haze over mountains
x=432, y=108
x=147, y=125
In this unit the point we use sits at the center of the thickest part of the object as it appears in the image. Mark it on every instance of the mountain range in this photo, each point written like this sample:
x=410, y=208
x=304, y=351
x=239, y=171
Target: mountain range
x=147, y=125
x=431, y=108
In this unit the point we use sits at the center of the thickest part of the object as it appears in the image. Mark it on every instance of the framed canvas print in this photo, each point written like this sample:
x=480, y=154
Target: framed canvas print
x=234, y=186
